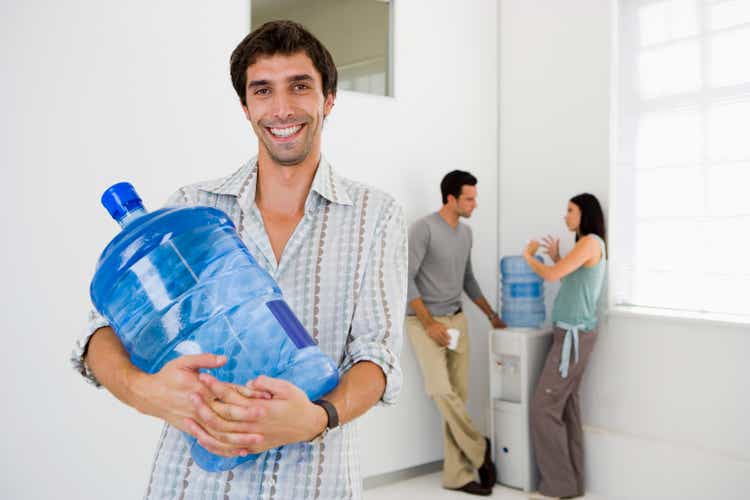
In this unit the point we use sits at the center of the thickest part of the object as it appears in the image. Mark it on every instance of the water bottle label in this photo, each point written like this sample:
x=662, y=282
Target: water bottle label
x=525, y=290
x=289, y=322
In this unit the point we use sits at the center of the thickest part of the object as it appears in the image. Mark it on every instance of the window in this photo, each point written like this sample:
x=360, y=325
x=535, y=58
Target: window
x=356, y=32
x=681, y=220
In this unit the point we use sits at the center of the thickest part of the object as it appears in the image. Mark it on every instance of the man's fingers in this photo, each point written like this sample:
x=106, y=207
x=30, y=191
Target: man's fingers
x=442, y=330
x=230, y=441
x=221, y=417
x=439, y=334
x=232, y=393
x=231, y=445
x=250, y=393
x=276, y=387
x=224, y=391
x=207, y=415
x=240, y=414
x=197, y=361
x=210, y=443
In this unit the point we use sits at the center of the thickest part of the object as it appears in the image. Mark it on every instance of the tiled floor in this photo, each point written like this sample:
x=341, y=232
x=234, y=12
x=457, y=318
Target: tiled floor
x=428, y=487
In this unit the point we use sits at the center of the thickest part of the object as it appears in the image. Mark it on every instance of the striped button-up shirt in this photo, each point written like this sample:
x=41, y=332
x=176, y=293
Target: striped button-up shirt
x=343, y=273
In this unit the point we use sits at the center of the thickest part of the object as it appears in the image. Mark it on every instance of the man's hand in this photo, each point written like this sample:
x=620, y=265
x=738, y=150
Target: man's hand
x=168, y=393
x=439, y=333
x=266, y=414
x=497, y=322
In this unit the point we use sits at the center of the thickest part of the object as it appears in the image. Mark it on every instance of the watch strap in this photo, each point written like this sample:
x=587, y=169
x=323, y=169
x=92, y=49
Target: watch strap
x=333, y=415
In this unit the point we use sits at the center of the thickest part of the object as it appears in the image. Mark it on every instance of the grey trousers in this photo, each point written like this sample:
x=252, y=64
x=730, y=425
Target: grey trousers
x=556, y=431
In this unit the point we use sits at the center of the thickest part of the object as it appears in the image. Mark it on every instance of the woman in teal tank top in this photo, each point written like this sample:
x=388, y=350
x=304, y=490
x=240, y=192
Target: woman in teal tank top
x=556, y=430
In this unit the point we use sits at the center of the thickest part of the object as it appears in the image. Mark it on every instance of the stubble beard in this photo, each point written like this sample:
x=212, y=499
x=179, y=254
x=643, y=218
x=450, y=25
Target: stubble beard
x=307, y=139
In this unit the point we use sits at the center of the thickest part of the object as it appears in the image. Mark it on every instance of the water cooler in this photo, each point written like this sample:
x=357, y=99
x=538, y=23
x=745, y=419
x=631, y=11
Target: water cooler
x=517, y=357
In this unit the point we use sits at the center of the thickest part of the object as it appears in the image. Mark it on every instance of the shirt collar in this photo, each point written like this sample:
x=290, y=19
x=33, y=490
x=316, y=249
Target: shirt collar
x=242, y=183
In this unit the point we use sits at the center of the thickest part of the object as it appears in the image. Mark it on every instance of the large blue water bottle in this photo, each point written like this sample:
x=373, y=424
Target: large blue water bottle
x=180, y=281
x=522, y=293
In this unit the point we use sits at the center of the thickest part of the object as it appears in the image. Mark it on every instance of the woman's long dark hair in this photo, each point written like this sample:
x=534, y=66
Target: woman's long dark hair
x=592, y=216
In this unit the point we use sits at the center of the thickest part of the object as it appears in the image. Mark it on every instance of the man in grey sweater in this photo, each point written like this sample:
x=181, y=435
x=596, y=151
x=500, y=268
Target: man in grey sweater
x=439, y=271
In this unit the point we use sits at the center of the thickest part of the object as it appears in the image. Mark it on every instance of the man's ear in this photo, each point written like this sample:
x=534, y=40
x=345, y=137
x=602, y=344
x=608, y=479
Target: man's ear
x=246, y=111
x=328, y=104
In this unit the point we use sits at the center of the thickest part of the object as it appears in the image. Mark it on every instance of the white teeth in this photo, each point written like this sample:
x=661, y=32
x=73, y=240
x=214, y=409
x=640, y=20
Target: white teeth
x=285, y=132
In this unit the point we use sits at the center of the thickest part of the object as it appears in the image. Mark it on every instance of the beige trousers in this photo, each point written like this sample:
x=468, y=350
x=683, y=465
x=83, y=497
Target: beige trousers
x=446, y=379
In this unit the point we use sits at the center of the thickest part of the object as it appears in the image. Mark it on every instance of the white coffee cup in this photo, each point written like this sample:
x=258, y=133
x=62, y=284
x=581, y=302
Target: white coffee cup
x=454, y=334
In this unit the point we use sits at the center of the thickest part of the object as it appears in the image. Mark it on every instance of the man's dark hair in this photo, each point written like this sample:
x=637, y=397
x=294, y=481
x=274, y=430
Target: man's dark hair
x=453, y=183
x=592, y=216
x=281, y=37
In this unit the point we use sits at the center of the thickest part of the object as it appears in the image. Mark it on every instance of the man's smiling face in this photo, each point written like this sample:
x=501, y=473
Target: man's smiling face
x=285, y=106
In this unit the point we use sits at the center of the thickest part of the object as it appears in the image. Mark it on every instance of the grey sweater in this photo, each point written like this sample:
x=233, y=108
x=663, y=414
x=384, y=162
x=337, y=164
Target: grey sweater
x=440, y=265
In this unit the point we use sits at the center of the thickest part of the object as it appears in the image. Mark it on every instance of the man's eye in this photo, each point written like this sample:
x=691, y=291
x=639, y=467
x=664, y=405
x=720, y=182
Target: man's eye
x=262, y=92
x=300, y=86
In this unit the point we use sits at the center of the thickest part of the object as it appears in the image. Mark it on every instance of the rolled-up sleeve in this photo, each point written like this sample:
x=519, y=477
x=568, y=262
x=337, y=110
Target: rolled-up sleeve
x=378, y=321
x=97, y=321
x=419, y=240
x=78, y=355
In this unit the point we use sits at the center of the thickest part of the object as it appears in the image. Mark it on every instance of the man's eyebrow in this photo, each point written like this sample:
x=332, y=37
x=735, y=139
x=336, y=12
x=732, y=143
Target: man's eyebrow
x=295, y=78
x=258, y=83
x=300, y=78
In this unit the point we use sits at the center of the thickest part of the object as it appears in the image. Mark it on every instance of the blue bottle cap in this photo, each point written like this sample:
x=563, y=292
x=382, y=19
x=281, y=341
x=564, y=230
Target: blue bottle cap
x=120, y=199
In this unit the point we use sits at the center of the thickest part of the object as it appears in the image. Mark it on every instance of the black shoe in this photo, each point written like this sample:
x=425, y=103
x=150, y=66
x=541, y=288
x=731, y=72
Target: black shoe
x=487, y=472
x=474, y=488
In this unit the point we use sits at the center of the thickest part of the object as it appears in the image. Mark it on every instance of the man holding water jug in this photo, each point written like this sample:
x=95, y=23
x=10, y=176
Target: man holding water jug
x=439, y=271
x=337, y=250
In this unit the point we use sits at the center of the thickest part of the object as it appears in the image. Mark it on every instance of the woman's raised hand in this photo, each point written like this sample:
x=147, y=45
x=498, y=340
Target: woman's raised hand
x=531, y=248
x=552, y=247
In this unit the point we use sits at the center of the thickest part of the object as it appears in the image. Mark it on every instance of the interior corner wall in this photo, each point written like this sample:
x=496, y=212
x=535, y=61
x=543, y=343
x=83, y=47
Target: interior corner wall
x=664, y=400
x=442, y=117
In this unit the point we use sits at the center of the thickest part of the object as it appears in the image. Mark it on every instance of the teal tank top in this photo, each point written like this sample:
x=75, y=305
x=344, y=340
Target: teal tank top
x=579, y=293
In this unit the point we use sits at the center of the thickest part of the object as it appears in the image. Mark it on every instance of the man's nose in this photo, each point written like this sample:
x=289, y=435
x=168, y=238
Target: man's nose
x=282, y=108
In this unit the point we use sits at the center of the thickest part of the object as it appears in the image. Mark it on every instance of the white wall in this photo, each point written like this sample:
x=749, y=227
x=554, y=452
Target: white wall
x=93, y=93
x=443, y=117
x=97, y=92
x=665, y=401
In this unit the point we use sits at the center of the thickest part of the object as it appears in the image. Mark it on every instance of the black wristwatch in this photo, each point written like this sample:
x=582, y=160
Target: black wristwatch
x=333, y=418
